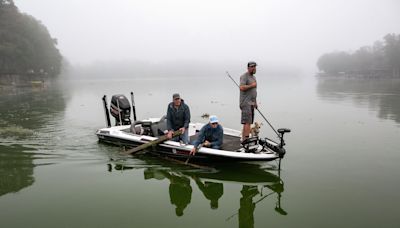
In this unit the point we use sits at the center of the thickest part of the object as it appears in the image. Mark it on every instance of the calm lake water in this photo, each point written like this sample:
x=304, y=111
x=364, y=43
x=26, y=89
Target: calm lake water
x=341, y=168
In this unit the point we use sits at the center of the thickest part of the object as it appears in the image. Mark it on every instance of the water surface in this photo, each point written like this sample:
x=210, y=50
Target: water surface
x=340, y=170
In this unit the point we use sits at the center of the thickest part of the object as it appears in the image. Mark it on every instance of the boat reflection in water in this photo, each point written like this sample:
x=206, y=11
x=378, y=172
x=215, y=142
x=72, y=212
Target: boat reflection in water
x=180, y=190
x=257, y=183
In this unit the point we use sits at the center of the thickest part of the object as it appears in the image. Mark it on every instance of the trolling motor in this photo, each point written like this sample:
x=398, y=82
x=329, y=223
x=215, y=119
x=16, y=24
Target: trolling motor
x=278, y=147
x=282, y=131
x=282, y=150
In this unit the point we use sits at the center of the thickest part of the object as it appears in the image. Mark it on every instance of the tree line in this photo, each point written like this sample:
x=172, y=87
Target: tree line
x=26, y=46
x=382, y=59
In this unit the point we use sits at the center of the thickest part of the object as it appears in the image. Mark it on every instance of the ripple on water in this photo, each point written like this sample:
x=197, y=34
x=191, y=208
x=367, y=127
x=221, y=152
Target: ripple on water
x=16, y=131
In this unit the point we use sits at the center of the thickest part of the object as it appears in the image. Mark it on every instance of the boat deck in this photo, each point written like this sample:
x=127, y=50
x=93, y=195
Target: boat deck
x=230, y=143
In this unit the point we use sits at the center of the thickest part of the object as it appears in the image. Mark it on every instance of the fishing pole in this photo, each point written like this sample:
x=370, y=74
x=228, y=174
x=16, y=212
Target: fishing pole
x=256, y=107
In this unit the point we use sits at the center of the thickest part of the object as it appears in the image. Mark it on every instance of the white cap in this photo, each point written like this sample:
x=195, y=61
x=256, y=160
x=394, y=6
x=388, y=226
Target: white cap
x=213, y=119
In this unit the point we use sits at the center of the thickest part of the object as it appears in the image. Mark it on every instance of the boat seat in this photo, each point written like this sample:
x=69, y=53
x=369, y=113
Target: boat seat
x=159, y=127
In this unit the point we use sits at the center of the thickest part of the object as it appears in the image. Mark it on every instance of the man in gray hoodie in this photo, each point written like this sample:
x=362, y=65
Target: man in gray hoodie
x=178, y=118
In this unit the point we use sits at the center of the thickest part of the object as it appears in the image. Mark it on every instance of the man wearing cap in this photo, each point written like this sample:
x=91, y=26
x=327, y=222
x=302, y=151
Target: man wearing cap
x=211, y=135
x=178, y=118
x=248, y=98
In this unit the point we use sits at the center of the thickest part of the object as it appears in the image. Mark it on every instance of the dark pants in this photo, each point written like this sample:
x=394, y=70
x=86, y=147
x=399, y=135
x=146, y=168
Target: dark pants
x=184, y=137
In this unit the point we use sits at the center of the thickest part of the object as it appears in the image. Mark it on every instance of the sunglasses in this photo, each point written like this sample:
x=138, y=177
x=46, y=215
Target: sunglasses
x=215, y=123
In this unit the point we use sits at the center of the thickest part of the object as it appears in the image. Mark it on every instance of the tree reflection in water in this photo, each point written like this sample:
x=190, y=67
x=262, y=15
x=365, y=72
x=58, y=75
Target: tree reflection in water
x=24, y=112
x=255, y=181
x=381, y=95
x=16, y=169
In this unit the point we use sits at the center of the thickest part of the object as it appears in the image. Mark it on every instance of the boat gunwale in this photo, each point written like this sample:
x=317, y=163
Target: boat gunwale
x=118, y=132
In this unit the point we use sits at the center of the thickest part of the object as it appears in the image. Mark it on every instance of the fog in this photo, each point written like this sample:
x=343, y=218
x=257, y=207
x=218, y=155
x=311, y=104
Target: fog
x=280, y=33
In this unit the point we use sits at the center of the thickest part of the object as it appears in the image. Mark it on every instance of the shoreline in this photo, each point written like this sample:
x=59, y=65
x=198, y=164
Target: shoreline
x=343, y=75
x=23, y=80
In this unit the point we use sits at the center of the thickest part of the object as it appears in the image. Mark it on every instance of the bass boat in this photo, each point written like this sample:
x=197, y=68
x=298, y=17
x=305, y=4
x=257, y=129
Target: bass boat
x=138, y=132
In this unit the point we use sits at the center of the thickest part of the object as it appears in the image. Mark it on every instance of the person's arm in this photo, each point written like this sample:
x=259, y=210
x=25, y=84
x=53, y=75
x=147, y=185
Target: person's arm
x=244, y=86
x=220, y=137
x=255, y=99
x=169, y=119
x=187, y=117
x=247, y=87
x=169, y=123
x=255, y=103
x=201, y=137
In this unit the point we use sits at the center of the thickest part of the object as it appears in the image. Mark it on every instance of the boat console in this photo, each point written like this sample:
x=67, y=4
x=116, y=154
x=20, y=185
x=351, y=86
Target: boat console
x=150, y=127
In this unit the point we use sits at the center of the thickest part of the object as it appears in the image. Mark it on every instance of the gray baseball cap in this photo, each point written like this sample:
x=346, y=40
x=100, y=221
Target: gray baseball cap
x=175, y=96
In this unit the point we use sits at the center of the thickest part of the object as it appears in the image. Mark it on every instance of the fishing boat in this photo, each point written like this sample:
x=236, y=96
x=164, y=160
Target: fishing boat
x=141, y=132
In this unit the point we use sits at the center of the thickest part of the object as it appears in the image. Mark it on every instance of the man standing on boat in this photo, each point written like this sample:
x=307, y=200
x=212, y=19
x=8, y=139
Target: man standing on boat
x=178, y=118
x=211, y=135
x=248, y=98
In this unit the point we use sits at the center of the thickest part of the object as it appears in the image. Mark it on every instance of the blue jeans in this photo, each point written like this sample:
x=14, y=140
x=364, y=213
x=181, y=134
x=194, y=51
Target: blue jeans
x=184, y=137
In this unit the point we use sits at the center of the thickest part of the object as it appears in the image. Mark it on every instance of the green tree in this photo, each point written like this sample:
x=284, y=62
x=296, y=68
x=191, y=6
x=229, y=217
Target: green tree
x=7, y=3
x=363, y=59
x=378, y=50
x=334, y=62
x=392, y=51
x=25, y=43
x=377, y=60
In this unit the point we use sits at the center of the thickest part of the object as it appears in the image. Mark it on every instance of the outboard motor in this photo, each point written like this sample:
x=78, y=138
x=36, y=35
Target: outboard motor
x=120, y=109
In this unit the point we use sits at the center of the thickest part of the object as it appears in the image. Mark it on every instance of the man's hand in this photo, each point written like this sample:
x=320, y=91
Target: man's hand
x=193, y=151
x=206, y=143
x=169, y=134
x=182, y=130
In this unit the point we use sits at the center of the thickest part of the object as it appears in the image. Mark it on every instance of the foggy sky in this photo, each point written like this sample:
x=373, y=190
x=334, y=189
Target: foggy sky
x=278, y=31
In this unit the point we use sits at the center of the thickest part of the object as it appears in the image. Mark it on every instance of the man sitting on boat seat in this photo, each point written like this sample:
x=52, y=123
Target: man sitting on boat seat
x=211, y=135
x=178, y=118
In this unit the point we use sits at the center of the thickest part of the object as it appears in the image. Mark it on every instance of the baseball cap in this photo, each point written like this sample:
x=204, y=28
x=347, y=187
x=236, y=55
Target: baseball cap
x=175, y=96
x=213, y=119
x=251, y=64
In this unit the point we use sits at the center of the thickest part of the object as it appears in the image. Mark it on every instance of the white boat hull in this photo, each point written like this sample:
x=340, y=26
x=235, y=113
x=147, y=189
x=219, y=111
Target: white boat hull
x=122, y=136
